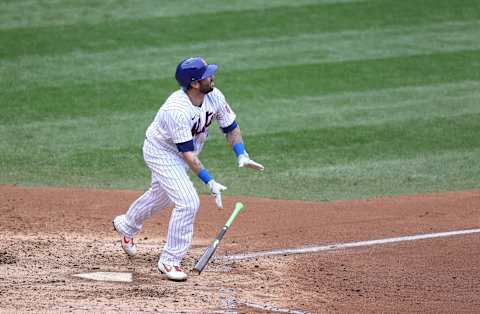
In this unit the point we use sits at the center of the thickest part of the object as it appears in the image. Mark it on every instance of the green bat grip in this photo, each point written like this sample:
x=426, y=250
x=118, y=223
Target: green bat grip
x=236, y=211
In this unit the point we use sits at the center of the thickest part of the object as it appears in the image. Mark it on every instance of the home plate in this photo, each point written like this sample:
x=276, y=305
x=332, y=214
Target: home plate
x=106, y=276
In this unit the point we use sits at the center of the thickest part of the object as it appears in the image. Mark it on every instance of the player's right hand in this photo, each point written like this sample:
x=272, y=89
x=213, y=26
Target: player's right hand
x=216, y=190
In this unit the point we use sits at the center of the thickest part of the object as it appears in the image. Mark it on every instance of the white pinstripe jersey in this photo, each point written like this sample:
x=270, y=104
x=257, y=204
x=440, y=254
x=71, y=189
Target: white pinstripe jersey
x=179, y=121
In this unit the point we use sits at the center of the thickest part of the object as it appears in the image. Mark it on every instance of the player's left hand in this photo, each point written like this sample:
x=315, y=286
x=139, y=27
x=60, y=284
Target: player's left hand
x=216, y=189
x=245, y=161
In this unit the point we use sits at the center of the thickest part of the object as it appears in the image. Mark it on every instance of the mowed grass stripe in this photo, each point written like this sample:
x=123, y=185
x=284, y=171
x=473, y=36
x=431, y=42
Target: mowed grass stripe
x=158, y=63
x=425, y=173
x=33, y=13
x=392, y=139
x=280, y=21
x=421, y=166
x=318, y=79
x=245, y=87
x=286, y=161
x=438, y=148
x=419, y=174
x=367, y=108
x=113, y=130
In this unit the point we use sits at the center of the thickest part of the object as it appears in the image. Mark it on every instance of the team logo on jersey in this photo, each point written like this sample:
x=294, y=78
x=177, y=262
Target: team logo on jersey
x=197, y=127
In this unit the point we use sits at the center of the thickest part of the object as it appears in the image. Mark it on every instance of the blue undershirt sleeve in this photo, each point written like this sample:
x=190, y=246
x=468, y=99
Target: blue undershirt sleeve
x=230, y=128
x=185, y=146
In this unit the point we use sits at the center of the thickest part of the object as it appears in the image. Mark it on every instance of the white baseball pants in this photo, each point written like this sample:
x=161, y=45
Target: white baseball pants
x=170, y=184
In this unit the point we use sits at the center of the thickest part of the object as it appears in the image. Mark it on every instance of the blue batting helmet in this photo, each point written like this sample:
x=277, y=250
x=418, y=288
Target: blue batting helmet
x=193, y=69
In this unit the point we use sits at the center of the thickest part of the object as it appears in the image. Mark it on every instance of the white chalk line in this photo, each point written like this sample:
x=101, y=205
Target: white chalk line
x=229, y=304
x=228, y=300
x=339, y=246
x=272, y=308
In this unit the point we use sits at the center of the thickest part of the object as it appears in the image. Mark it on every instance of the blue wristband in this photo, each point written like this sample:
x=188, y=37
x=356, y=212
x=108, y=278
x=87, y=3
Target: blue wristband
x=239, y=149
x=204, y=176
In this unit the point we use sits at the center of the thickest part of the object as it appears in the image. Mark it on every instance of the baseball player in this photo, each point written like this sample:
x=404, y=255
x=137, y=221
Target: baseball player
x=172, y=144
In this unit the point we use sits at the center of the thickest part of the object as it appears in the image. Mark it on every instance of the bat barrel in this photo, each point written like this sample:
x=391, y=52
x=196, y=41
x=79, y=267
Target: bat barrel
x=202, y=262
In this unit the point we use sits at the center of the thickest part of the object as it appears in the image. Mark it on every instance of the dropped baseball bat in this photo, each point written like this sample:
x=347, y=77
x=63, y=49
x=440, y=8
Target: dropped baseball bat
x=202, y=262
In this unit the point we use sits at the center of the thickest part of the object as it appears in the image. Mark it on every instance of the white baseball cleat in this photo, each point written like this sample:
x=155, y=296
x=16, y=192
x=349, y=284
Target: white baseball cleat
x=127, y=243
x=172, y=272
x=128, y=246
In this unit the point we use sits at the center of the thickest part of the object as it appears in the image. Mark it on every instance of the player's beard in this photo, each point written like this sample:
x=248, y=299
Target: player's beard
x=206, y=86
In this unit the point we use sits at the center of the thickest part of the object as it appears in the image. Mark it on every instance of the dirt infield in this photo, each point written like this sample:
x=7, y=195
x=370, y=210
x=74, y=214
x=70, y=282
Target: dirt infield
x=48, y=235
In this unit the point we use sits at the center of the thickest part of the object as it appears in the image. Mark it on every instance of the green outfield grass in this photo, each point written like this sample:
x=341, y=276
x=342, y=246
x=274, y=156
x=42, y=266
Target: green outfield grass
x=338, y=99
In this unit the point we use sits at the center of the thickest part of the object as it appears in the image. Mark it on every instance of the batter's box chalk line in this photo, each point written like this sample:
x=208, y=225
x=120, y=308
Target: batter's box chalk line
x=229, y=304
x=341, y=246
